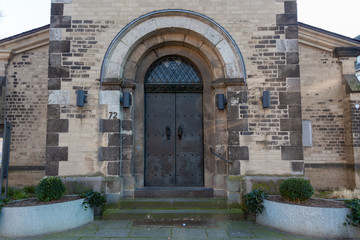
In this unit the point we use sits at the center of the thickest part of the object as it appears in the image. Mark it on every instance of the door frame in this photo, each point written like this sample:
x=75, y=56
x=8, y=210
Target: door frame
x=138, y=115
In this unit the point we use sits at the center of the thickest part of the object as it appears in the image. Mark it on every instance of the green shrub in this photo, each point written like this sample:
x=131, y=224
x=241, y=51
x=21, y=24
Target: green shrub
x=354, y=218
x=16, y=193
x=253, y=201
x=93, y=199
x=296, y=190
x=50, y=188
x=29, y=190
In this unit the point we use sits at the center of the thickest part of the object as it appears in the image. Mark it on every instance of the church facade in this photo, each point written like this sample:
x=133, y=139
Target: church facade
x=219, y=95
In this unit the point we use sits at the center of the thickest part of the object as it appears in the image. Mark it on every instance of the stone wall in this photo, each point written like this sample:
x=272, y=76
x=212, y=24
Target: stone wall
x=26, y=107
x=99, y=138
x=325, y=103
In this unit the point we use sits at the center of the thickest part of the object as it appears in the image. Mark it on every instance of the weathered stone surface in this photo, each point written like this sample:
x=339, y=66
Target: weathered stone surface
x=52, y=139
x=113, y=168
x=59, y=46
x=59, y=97
x=53, y=111
x=221, y=167
x=293, y=84
x=289, y=71
x=54, y=84
x=287, y=45
x=294, y=124
x=293, y=98
x=238, y=125
x=297, y=166
x=58, y=72
x=60, y=22
x=295, y=111
x=127, y=125
x=238, y=153
x=113, y=139
x=127, y=140
x=286, y=19
x=233, y=112
x=290, y=7
x=108, y=153
x=292, y=58
x=233, y=138
x=292, y=32
x=295, y=139
x=55, y=34
x=52, y=168
x=234, y=168
x=57, y=9
x=56, y=154
x=57, y=125
x=109, y=125
x=291, y=153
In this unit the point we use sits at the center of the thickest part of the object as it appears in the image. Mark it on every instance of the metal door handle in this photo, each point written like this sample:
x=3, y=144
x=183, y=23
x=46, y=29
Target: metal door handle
x=180, y=133
x=168, y=133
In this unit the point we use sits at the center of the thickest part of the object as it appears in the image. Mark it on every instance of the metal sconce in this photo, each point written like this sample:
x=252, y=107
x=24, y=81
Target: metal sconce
x=81, y=98
x=221, y=101
x=266, y=99
x=126, y=99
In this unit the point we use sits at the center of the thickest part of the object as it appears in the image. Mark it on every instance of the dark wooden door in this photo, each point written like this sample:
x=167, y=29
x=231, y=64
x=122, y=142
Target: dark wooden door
x=174, y=139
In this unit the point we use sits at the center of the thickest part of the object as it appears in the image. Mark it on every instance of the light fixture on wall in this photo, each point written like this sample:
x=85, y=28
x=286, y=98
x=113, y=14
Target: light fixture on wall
x=126, y=99
x=357, y=68
x=220, y=101
x=266, y=99
x=81, y=98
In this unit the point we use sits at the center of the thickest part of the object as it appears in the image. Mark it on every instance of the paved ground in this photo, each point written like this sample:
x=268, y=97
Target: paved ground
x=124, y=229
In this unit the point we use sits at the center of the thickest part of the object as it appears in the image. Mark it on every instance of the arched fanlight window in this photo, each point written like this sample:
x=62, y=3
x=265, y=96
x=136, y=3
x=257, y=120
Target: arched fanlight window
x=173, y=74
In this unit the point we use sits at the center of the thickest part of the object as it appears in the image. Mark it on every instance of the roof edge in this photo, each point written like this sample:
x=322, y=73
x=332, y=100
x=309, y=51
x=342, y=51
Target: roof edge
x=300, y=24
x=23, y=34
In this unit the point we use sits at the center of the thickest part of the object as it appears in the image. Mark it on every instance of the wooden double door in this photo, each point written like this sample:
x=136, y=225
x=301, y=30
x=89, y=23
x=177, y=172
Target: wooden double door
x=174, y=139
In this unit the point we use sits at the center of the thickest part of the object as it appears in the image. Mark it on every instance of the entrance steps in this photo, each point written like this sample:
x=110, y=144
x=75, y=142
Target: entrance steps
x=172, y=209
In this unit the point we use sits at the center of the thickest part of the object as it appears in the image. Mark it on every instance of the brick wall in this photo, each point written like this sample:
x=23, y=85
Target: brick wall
x=27, y=97
x=325, y=103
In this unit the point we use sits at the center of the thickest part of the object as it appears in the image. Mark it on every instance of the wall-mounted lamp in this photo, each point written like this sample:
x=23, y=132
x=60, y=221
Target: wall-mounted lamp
x=357, y=68
x=221, y=101
x=81, y=98
x=126, y=99
x=266, y=99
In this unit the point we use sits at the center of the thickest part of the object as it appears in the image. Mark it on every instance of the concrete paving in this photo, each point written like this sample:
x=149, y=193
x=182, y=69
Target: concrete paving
x=126, y=230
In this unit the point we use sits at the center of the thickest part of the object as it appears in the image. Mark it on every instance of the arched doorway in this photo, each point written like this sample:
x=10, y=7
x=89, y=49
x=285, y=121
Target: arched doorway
x=173, y=123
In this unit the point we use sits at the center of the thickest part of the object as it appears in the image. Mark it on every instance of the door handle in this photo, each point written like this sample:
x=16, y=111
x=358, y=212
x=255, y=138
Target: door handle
x=168, y=133
x=180, y=133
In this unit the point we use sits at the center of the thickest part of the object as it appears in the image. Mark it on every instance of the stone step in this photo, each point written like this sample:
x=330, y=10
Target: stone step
x=171, y=203
x=174, y=192
x=173, y=214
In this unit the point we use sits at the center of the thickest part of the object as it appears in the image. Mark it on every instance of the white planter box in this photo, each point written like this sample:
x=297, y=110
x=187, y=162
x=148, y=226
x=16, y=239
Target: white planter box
x=307, y=221
x=44, y=219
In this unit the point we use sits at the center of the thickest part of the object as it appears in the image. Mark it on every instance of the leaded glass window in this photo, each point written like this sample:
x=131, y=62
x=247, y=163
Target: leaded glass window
x=174, y=74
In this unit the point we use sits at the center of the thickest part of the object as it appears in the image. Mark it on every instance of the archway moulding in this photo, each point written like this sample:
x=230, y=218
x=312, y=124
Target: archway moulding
x=171, y=22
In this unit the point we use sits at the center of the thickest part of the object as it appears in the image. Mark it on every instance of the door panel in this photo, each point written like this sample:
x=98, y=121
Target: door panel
x=189, y=140
x=160, y=139
x=174, y=139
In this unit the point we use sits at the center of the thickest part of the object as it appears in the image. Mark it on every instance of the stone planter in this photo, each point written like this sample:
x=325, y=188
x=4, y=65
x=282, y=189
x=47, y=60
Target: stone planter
x=307, y=221
x=44, y=219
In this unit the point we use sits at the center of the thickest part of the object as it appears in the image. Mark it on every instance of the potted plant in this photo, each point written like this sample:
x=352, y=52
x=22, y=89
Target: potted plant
x=94, y=200
x=296, y=212
x=50, y=212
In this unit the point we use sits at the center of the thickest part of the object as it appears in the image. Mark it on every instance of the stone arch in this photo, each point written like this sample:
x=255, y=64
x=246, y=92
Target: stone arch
x=178, y=27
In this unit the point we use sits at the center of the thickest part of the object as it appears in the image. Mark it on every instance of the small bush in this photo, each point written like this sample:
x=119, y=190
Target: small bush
x=50, y=188
x=93, y=199
x=16, y=194
x=29, y=190
x=296, y=190
x=354, y=218
x=253, y=201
